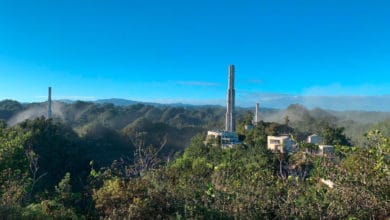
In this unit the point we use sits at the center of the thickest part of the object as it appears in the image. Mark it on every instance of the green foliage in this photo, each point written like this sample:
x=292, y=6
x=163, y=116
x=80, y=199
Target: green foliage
x=60, y=206
x=64, y=192
x=3, y=124
x=14, y=175
x=48, y=209
x=334, y=135
x=208, y=182
x=58, y=147
x=363, y=181
x=45, y=173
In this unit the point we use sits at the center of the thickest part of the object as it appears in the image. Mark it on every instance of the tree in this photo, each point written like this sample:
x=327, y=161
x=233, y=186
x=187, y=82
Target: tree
x=14, y=176
x=3, y=124
x=33, y=165
x=60, y=206
x=58, y=148
x=363, y=181
x=334, y=135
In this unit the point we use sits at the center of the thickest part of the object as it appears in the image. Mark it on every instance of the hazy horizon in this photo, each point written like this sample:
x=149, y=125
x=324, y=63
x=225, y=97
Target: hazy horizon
x=276, y=101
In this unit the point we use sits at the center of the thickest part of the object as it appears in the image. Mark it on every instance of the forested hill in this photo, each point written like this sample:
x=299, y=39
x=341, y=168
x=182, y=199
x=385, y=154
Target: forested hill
x=173, y=126
x=96, y=161
x=183, y=122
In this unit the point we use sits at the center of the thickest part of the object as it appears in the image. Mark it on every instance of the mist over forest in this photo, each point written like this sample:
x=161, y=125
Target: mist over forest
x=118, y=114
x=148, y=161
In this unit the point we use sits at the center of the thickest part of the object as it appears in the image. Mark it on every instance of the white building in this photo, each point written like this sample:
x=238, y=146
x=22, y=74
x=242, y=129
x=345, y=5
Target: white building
x=325, y=149
x=283, y=144
x=248, y=127
x=224, y=138
x=314, y=139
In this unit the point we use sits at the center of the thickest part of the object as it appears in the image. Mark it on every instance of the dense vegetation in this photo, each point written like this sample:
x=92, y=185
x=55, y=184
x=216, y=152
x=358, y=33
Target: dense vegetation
x=138, y=162
x=182, y=123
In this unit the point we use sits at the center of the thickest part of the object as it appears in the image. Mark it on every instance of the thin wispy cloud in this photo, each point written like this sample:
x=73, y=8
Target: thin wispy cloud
x=206, y=101
x=255, y=81
x=253, y=95
x=197, y=83
x=88, y=98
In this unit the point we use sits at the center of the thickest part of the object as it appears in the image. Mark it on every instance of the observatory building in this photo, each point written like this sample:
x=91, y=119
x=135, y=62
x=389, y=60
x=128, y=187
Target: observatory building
x=282, y=144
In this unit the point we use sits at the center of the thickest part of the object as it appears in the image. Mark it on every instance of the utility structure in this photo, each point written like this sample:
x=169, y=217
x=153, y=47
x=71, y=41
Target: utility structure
x=49, y=112
x=226, y=138
x=230, y=107
x=257, y=114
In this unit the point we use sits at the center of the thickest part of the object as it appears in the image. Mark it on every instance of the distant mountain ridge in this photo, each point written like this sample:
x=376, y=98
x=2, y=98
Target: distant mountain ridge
x=282, y=101
x=126, y=102
x=271, y=101
x=118, y=102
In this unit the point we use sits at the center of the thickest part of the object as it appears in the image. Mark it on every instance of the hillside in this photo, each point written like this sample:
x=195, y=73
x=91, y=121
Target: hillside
x=186, y=121
x=102, y=161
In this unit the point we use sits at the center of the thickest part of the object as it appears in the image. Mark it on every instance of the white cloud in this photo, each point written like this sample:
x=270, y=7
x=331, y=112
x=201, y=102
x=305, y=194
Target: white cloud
x=190, y=101
x=198, y=83
x=69, y=97
x=255, y=81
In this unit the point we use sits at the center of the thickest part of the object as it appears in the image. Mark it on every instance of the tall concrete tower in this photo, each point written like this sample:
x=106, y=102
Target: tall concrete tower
x=257, y=114
x=230, y=107
x=49, y=104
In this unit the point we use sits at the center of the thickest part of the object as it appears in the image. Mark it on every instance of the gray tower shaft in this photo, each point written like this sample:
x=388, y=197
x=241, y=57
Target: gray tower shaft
x=230, y=105
x=49, y=112
x=257, y=113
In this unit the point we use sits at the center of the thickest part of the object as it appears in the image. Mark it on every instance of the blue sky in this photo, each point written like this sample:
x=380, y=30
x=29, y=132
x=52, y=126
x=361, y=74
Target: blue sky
x=170, y=51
